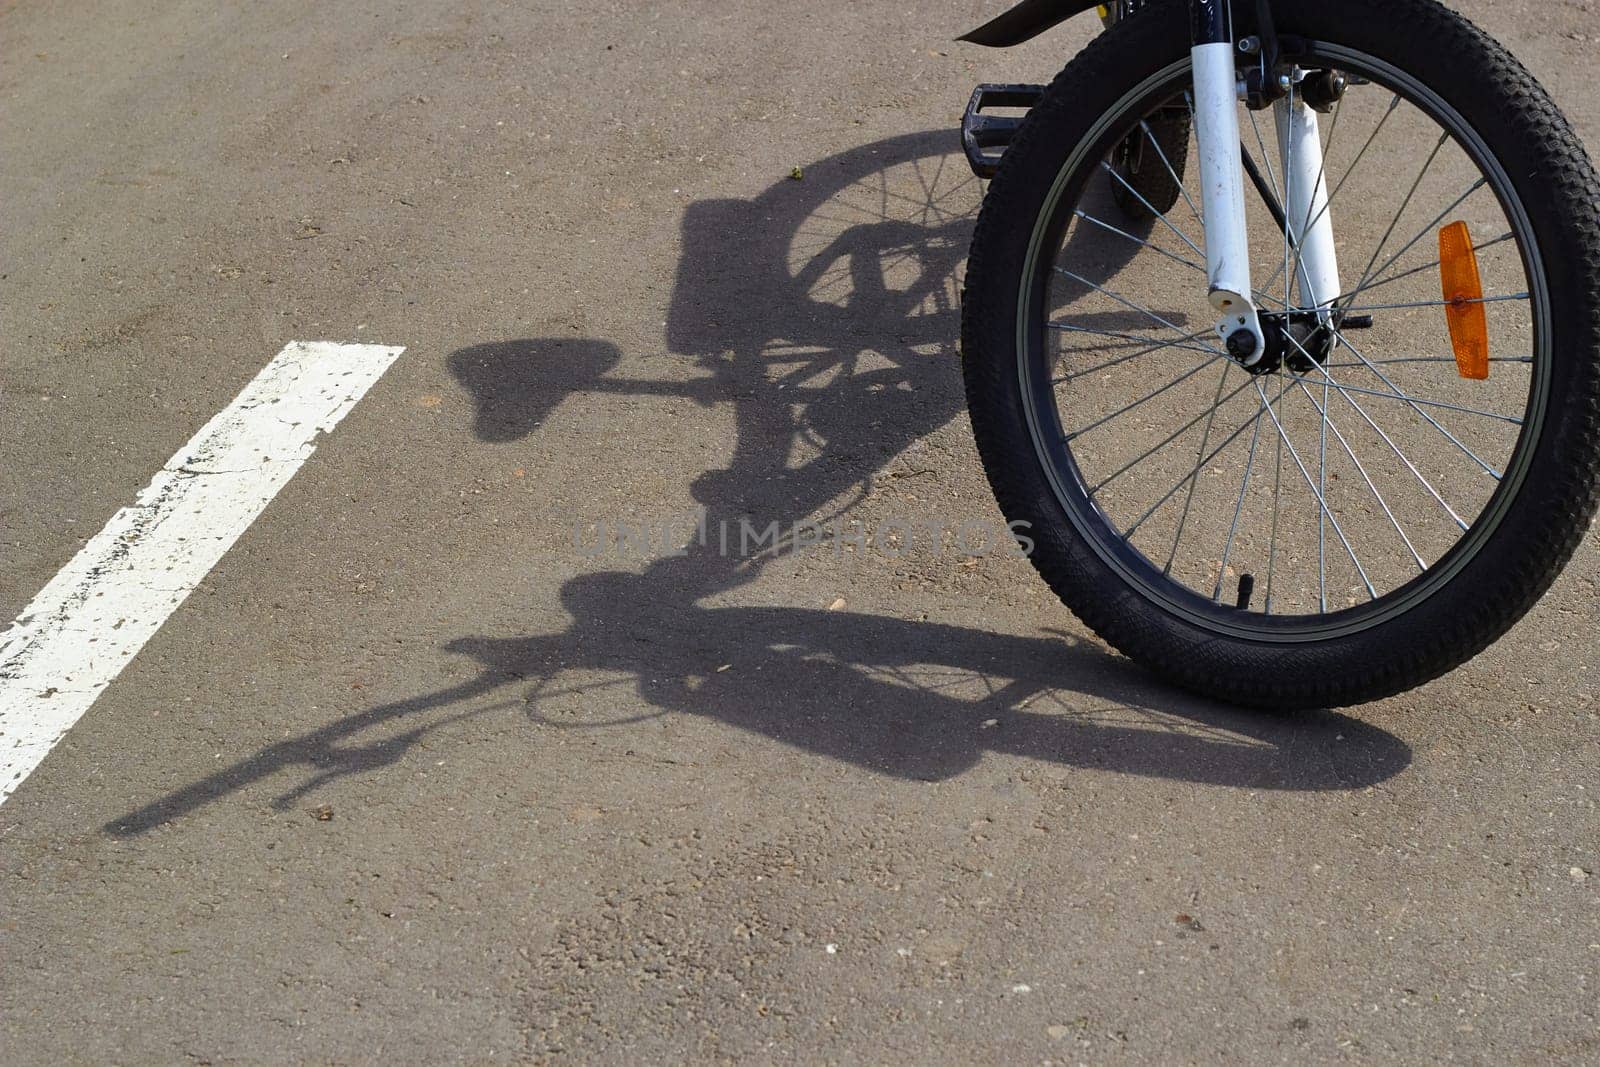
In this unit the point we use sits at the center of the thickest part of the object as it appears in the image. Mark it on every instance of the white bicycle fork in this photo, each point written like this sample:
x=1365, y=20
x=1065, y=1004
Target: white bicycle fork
x=1311, y=255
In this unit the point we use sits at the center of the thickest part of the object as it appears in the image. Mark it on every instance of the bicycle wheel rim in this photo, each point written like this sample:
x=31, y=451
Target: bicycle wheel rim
x=1067, y=480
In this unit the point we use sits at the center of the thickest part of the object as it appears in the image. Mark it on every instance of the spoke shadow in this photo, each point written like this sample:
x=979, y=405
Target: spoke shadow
x=823, y=312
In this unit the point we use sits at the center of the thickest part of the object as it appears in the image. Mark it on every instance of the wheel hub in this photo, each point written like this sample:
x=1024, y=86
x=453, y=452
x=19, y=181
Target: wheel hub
x=1294, y=339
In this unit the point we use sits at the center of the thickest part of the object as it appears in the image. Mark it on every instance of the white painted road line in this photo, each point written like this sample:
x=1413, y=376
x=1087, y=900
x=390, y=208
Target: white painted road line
x=93, y=616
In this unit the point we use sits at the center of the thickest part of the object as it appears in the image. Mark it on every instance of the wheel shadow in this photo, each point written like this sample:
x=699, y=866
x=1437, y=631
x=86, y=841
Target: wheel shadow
x=824, y=314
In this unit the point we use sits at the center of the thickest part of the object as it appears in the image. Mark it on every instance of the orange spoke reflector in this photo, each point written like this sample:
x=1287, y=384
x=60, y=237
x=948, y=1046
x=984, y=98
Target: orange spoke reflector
x=1463, y=294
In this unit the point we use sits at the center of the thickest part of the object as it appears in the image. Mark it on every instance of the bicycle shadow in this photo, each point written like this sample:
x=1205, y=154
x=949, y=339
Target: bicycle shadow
x=823, y=312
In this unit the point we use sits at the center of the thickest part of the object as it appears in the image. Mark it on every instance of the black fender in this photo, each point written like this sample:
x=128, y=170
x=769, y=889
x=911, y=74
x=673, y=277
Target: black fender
x=1026, y=21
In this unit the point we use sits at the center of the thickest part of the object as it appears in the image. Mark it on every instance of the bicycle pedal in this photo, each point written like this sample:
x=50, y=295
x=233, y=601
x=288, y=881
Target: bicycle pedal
x=986, y=137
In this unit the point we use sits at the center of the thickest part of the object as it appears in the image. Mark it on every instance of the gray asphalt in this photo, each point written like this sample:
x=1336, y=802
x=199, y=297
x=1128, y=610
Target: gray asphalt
x=411, y=778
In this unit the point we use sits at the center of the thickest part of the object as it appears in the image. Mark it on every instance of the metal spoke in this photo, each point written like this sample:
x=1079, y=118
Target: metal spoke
x=1194, y=480
x=1452, y=438
x=1322, y=489
x=1303, y=280
x=1289, y=280
x=1431, y=359
x=1342, y=387
x=1337, y=529
x=1277, y=491
x=1157, y=347
x=1459, y=521
x=1125, y=302
x=1434, y=303
x=1138, y=240
x=1147, y=397
x=1277, y=272
x=1165, y=162
x=1268, y=195
x=1328, y=421
x=1404, y=203
x=1427, y=229
x=1109, y=169
x=1379, y=430
x=1432, y=263
x=1164, y=442
x=1266, y=157
x=1181, y=482
x=1238, y=507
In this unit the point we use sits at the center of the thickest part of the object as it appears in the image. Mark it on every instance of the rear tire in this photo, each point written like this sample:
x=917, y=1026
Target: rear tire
x=1146, y=183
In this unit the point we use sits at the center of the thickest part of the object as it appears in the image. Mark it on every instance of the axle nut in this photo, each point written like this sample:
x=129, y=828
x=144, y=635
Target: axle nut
x=1241, y=345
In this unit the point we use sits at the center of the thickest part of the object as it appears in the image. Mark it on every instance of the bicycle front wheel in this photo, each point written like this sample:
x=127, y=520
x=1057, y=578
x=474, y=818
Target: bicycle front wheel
x=1357, y=515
